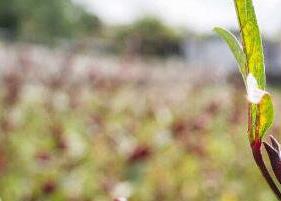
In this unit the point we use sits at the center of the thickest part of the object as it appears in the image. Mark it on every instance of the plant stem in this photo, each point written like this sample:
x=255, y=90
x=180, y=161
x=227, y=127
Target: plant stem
x=256, y=150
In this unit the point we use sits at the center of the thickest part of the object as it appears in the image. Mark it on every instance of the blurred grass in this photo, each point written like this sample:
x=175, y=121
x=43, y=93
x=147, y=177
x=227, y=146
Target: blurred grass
x=104, y=137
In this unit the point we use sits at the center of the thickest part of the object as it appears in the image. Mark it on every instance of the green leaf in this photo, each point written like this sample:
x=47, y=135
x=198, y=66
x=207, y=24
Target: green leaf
x=266, y=114
x=261, y=115
x=252, y=42
x=235, y=47
x=251, y=62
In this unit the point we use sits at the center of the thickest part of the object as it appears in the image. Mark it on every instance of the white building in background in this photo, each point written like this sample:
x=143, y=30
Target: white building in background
x=209, y=51
x=212, y=52
x=272, y=52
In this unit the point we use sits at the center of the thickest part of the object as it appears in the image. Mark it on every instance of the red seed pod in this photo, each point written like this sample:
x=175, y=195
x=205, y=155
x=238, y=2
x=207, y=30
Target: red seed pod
x=140, y=153
x=200, y=123
x=49, y=187
x=13, y=83
x=43, y=157
x=3, y=161
x=179, y=127
x=120, y=199
x=57, y=131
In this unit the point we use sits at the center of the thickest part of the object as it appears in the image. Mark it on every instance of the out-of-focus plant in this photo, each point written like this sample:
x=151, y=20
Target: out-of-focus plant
x=250, y=59
x=149, y=36
x=46, y=21
x=9, y=18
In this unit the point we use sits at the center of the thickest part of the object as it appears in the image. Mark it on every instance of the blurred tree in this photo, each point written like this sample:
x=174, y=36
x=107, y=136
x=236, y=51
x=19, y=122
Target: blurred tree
x=149, y=36
x=90, y=23
x=9, y=18
x=41, y=20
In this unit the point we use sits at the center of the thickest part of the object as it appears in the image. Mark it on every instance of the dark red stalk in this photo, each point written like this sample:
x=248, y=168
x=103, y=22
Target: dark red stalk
x=256, y=150
x=273, y=152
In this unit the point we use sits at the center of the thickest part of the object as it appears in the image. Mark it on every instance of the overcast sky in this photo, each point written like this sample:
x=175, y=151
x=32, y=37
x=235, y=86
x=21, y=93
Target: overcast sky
x=200, y=15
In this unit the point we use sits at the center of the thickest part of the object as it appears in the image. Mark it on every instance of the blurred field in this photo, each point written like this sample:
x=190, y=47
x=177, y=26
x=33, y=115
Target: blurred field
x=91, y=128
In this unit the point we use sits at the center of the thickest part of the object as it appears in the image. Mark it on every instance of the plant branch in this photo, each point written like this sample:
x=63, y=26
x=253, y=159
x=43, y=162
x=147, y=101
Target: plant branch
x=256, y=150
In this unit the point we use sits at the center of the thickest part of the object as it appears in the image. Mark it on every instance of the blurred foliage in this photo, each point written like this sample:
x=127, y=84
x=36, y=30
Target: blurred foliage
x=149, y=36
x=52, y=20
x=9, y=18
x=40, y=20
x=94, y=136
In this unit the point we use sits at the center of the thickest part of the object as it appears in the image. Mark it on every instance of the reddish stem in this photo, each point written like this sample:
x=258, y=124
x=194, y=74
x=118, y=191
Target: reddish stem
x=256, y=150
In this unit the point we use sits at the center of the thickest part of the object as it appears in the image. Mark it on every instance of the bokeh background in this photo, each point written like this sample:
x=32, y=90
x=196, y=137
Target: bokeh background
x=132, y=98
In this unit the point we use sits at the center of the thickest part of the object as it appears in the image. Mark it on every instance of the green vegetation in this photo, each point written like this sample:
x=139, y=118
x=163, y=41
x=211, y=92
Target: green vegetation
x=72, y=128
x=252, y=68
x=102, y=137
x=52, y=20
x=46, y=21
x=149, y=36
